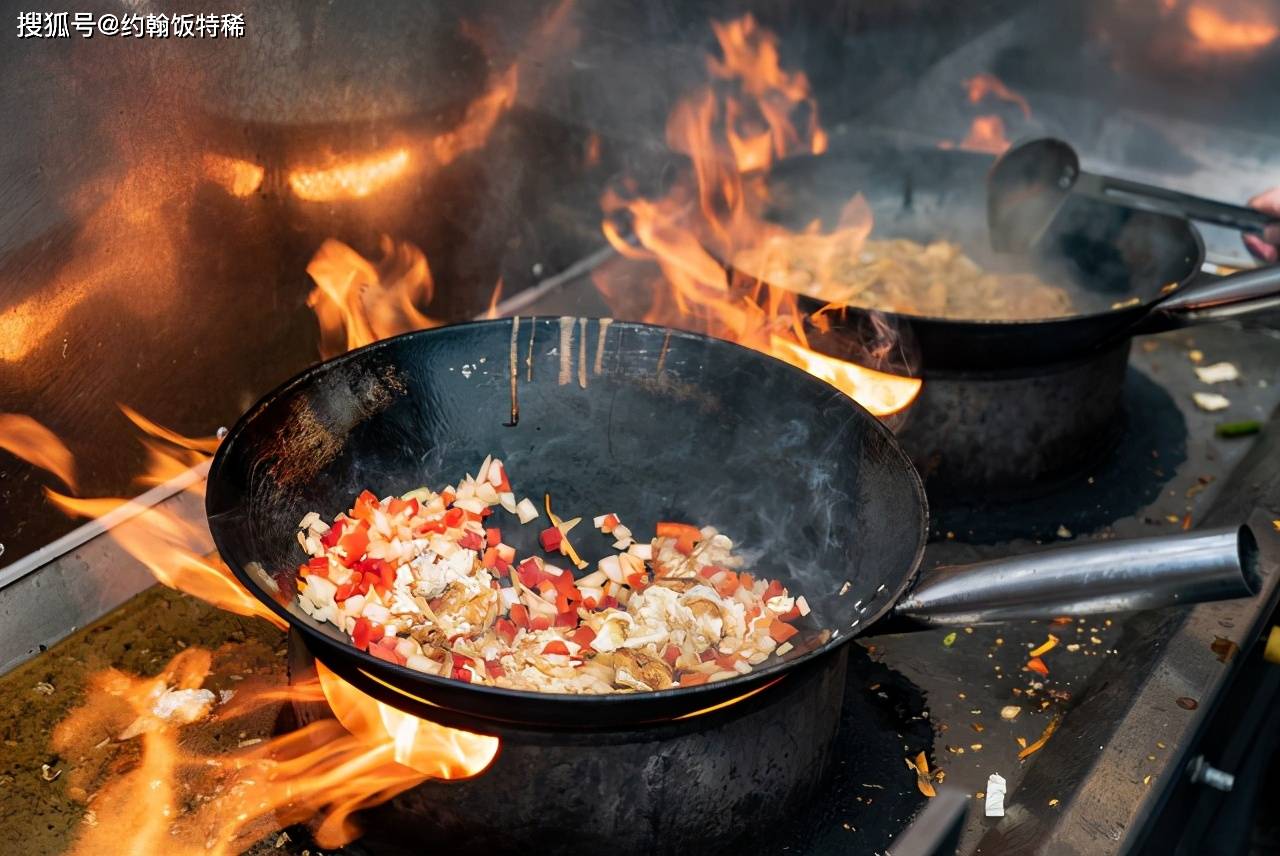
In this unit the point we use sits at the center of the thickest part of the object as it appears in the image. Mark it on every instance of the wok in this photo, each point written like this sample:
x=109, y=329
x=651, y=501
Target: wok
x=1128, y=271
x=653, y=424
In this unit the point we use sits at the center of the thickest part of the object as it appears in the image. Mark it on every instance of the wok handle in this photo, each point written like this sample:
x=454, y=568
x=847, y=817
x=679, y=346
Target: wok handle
x=1214, y=298
x=1147, y=197
x=1100, y=577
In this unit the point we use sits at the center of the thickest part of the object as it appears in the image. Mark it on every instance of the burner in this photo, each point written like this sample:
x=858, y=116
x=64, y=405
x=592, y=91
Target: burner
x=813, y=762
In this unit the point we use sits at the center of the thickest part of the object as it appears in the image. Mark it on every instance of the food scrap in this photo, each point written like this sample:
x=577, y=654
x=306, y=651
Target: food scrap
x=1246, y=428
x=924, y=781
x=1039, y=744
x=1217, y=373
x=1049, y=645
x=1210, y=402
x=425, y=580
x=1035, y=664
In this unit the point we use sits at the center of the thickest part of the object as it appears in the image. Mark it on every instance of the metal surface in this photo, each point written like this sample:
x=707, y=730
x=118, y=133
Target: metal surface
x=49, y=602
x=936, y=832
x=1088, y=579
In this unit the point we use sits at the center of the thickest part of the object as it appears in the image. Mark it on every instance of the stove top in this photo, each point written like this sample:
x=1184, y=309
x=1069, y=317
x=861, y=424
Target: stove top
x=1130, y=695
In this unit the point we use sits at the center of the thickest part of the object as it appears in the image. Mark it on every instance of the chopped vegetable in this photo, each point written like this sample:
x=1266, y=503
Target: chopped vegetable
x=1049, y=645
x=1238, y=429
x=949, y=639
x=1037, y=665
x=1039, y=744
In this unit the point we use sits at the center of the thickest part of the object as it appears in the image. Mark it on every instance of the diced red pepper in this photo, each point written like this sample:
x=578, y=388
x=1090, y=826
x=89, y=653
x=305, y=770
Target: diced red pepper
x=540, y=622
x=506, y=629
x=387, y=576
x=583, y=636
x=331, y=536
x=366, y=502
x=504, y=486
x=609, y=602
x=407, y=506
x=462, y=674
x=707, y=656
x=493, y=536
x=666, y=529
x=781, y=631
x=1037, y=665
x=453, y=517
x=589, y=603
x=726, y=661
x=360, y=633
x=490, y=558
x=448, y=496
x=566, y=619
x=520, y=615
x=791, y=615
x=671, y=654
x=530, y=573
x=387, y=654
x=609, y=524
x=556, y=647
x=551, y=538
x=355, y=542
x=637, y=581
x=774, y=589
x=471, y=541
x=746, y=581
x=494, y=668
x=709, y=571
x=345, y=591
x=727, y=584
x=693, y=679
x=319, y=567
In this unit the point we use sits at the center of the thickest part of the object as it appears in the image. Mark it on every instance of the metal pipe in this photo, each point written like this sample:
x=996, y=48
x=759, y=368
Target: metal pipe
x=1115, y=576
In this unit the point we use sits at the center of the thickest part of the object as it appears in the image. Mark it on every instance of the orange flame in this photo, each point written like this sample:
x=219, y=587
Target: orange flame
x=180, y=800
x=37, y=445
x=349, y=180
x=750, y=114
x=357, y=302
x=1216, y=32
x=236, y=176
x=986, y=134
x=983, y=85
x=482, y=114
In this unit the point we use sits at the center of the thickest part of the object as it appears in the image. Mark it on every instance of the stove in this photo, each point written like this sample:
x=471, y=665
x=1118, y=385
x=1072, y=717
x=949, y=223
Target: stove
x=1124, y=746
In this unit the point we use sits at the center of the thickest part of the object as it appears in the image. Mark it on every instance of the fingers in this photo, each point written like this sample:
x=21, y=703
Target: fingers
x=1268, y=201
x=1261, y=249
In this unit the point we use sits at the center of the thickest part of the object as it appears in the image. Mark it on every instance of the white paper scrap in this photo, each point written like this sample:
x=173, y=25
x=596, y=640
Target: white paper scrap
x=1211, y=401
x=1217, y=373
x=995, y=795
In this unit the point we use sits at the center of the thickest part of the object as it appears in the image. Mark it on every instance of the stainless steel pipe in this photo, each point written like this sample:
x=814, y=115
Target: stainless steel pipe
x=1116, y=576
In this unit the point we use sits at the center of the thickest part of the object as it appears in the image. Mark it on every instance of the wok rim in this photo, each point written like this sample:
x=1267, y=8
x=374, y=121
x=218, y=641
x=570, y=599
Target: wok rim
x=686, y=698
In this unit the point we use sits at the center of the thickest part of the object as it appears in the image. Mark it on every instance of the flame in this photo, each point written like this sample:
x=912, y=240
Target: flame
x=482, y=114
x=350, y=180
x=37, y=445
x=429, y=748
x=181, y=800
x=357, y=302
x=236, y=176
x=1216, y=32
x=751, y=113
x=988, y=84
x=986, y=134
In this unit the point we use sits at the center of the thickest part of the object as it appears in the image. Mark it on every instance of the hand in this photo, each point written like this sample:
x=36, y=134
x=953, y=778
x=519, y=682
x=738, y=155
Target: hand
x=1266, y=246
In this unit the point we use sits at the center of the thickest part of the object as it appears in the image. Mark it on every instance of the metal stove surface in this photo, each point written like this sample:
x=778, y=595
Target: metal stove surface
x=1120, y=699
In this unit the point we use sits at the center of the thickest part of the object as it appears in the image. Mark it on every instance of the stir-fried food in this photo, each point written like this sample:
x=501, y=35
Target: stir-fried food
x=425, y=580
x=901, y=276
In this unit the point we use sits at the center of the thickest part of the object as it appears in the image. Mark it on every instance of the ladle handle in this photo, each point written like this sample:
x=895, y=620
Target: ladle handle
x=1147, y=197
x=1108, y=576
x=1213, y=298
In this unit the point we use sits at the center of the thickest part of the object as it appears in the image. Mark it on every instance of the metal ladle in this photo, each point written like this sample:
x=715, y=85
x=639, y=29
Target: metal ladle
x=1030, y=182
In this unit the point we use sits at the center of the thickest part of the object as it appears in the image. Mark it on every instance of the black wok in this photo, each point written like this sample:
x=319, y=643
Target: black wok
x=1127, y=271
x=655, y=425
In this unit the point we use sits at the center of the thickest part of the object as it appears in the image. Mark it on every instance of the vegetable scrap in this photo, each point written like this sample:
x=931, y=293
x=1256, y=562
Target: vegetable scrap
x=1010, y=712
x=1049, y=645
x=1217, y=373
x=1210, y=402
x=1028, y=751
x=949, y=639
x=1035, y=664
x=426, y=581
x=1246, y=428
x=924, y=781
x=1225, y=649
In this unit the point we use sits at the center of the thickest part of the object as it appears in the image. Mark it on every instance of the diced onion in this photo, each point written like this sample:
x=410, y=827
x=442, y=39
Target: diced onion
x=526, y=510
x=611, y=567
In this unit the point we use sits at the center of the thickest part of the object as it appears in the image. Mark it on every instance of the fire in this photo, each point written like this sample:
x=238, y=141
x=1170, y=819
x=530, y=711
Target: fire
x=987, y=132
x=983, y=85
x=37, y=445
x=429, y=748
x=236, y=176
x=183, y=800
x=350, y=180
x=1215, y=31
x=751, y=113
x=482, y=114
x=357, y=302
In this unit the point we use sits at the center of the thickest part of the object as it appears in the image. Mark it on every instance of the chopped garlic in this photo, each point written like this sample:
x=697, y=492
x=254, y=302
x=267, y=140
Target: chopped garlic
x=1217, y=373
x=1210, y=401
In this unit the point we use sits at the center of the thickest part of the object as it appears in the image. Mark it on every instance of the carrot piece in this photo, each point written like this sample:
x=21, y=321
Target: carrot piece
x=781, y=631
x=555, y=647
x=540, y=622
x=1037, y=665
x=693, y=679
